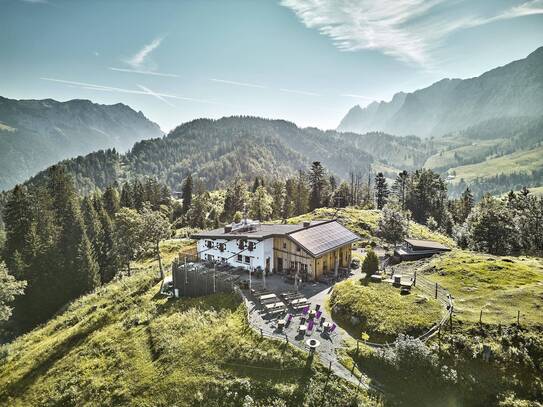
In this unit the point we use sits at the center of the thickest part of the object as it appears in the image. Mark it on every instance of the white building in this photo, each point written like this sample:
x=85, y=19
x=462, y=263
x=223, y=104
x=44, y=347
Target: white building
x=311, y=248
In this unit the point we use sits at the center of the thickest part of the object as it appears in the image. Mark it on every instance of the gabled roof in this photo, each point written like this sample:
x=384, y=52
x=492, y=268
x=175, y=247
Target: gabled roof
x=426, y=244
x=261, y=231
x=324, y=237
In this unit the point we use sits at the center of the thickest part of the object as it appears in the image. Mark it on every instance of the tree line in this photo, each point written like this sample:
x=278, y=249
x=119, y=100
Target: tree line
x=60, y=245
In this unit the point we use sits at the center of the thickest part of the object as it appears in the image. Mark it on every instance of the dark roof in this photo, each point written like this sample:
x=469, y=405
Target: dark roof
x=323, y=238
x=262, y=231
x=426, y=244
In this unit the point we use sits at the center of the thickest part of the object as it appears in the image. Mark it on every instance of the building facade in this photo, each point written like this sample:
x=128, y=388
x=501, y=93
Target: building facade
x=309, y=250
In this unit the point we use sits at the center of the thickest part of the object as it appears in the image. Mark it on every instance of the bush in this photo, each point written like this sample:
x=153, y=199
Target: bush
x=370, y=265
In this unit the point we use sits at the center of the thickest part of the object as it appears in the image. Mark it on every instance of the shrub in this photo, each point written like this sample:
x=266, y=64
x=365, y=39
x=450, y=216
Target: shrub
x=370, y=265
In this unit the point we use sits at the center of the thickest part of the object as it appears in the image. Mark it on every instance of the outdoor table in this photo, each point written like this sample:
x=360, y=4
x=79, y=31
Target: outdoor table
x=274, y=305
x=267, y=297
x=298, y=301
x=312, y=313
x=302, y=328
x=280, y=324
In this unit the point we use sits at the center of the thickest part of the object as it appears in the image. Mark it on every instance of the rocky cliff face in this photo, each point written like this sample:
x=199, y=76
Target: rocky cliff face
x=449, y=105
x=37, y=133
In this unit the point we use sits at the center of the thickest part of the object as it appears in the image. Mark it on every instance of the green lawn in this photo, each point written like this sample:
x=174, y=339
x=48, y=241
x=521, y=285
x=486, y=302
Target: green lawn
x=365, y=222
x=500, y=286
x=517, y=162
x=124, y=345
x=382, y=312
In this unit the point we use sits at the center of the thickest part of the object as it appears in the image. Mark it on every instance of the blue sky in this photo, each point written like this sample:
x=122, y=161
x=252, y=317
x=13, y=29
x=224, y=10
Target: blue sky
x=307, y=61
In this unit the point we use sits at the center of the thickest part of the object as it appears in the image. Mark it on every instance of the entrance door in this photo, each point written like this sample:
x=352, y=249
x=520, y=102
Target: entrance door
x=279, y=265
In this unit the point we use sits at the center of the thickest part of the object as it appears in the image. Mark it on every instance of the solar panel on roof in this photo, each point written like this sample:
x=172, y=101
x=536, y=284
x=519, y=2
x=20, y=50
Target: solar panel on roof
x=321, y=238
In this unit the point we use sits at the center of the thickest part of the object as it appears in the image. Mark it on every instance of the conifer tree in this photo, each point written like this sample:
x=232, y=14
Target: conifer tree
x=381, y=190
x=127, y=200
x=317, y=182
x=138, y=194
x=186, y=193
x=261, y=204
x=301, y=196
x=111, y=200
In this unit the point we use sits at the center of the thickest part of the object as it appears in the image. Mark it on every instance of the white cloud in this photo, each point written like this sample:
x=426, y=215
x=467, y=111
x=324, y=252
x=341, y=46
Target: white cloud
x=299, y=92
x=249, y=85
x=144, y=72
x=138, y=60
x=144, y=91
x=408, y=30
x=156, y=95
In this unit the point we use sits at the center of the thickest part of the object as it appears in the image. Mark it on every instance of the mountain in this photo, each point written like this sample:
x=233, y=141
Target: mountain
x=450, y=105
x=35, y=134
x=217, y=151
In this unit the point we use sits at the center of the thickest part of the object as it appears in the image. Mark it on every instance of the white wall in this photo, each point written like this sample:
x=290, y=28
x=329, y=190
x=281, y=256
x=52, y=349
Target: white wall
x=258, y=255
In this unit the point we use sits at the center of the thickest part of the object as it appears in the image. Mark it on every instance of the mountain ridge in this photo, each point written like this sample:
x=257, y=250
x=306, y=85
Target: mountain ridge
x=448, y=105
x=36, y=133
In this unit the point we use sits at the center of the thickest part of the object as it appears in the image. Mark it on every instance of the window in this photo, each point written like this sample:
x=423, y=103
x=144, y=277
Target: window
x=251, y=246
x=284, y=245
x=241, y=245
x=210, y=257
x=247, y=259
x=209, y=244
x=221, y=247
x=240, y=257
x=297, y=248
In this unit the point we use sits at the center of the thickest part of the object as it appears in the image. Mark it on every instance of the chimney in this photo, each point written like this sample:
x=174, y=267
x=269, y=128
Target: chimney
x=227, y=229
x=307, y=224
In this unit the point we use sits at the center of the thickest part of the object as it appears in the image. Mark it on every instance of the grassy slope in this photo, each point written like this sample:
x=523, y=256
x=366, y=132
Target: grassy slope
x=517, y=162
x=383, y=312
x=467, y=151
x=498, y=285
x=365, y=222
x=125, y=345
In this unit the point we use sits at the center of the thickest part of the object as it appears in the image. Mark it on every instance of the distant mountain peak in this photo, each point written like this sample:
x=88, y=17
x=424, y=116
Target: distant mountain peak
x=452, y=104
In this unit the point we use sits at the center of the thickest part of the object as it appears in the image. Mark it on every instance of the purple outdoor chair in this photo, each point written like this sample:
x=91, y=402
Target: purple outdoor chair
x=289, y=318
x=318, y=314
x=305, y=310
x=332, y=328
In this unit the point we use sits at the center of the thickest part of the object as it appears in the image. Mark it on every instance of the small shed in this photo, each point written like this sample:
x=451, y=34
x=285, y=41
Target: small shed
x=414, y=249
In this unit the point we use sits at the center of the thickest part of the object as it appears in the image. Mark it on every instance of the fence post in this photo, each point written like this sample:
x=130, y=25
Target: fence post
x=261, y=333
x=436, y=291
x=415, y=279
x=518, y=317
x=450, y=320
x=481, y=317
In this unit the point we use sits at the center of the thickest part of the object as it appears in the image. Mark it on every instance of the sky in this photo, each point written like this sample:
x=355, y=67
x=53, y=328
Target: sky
x=307, y=61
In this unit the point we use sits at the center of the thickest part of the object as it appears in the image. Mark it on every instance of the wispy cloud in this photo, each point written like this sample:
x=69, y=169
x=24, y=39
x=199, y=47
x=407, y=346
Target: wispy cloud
x=248, y=85
x=408, y=30
x=144, y=72
x=35, y=1
x=299, y=92
x=156, y=95
x=142, y=91
x=137, y=60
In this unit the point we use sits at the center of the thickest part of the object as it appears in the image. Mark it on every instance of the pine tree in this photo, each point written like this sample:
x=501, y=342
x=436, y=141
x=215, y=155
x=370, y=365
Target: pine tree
x=108, y=260
x=289, y=203
x=79, y=269
x=400, y=187
x=370, y=264
x=301, y=197
x=186, y=194
x=111, y=200
x=235, y=198
x=278, y=197
x=127, y=200
x=317, y=182
x=261, y=204
x=138, y=194
x=381, y=190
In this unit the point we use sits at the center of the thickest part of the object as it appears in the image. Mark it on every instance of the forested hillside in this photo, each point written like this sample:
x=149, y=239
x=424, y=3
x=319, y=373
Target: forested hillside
x=217, y=151
x=35, y=134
